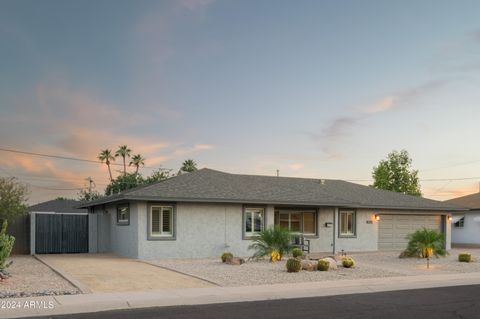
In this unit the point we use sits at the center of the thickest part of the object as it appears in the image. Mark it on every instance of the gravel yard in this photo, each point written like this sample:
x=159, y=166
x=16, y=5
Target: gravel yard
x=29, y=277
x=368, y=265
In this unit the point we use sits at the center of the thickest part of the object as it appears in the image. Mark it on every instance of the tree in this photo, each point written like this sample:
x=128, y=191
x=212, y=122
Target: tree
x=188, y=166
x=107, y=157
x=425, y=243
x=137, y=161
x=395, y=174
x=124, y=152
x=275, y=240
x=13, y=198
x=158, y=175
x=124, y=182
x=85, y=195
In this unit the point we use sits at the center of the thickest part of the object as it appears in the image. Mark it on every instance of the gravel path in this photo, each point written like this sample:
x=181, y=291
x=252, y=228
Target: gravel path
x=368, y=265
x=29, y=277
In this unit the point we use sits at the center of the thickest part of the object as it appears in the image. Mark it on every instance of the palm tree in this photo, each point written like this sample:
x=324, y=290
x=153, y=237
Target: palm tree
x=188, y=166
x=274, y=240
x=124, y=152
x=107, y=157
x=137, y=161
x=425, y=243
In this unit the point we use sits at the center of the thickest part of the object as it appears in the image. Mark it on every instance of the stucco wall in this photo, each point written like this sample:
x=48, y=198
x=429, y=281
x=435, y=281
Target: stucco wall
x=202, y=230
x=92, y=233
x=324, y=242
x=366, y=238
x=470, y=233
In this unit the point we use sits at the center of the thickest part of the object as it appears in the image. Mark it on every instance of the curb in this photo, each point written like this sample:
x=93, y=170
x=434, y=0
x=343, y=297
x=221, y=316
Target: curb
x=74, y=282
x=179, y=272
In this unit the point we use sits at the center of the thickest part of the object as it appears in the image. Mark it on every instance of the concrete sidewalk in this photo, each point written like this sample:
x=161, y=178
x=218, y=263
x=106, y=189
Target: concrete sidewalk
x=194, y=296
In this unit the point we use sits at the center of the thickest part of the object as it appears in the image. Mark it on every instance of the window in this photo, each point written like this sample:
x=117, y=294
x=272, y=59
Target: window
x=460, y=223
x=347, y=223
x=297, y=222
x=254, y=221
x=123, y=214
x=161, y=221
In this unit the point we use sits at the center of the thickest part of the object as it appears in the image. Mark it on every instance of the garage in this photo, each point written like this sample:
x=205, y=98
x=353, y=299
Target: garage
x=394, y=229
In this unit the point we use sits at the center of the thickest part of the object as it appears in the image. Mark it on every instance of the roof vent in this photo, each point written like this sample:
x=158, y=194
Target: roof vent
x=322, y=181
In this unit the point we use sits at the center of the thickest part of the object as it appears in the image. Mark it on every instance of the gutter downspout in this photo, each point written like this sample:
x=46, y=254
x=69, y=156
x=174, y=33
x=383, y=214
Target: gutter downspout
x=335, y=211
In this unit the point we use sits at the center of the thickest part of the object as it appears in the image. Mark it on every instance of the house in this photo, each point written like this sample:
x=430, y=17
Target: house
x=207, y=212
x=466, y=224
x=56, y=226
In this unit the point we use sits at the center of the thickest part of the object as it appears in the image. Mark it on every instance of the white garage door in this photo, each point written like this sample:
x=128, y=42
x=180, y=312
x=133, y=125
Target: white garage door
x=394, y=229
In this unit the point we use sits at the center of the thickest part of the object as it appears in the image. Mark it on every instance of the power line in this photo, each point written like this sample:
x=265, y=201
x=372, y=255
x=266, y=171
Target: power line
x=72, y=158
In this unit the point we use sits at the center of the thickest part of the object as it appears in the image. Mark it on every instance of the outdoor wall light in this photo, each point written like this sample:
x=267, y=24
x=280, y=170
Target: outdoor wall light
x=450, y=218
x=377, y=217
x=328, y=224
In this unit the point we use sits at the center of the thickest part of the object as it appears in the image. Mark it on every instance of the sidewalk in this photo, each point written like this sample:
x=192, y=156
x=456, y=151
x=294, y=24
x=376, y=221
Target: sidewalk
x=193, y=296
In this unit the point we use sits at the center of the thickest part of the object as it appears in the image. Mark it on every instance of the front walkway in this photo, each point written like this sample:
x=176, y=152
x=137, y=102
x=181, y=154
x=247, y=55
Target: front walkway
x=195, y=296
x=109, y=273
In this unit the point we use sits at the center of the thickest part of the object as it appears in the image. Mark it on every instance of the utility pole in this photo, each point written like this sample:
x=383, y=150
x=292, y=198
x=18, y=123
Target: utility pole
x=278, y=172
x=91, y=184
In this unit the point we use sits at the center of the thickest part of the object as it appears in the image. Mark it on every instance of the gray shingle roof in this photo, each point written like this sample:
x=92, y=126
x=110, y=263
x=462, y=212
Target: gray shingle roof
x=471, y=201
x=208, y=185
x=57, y=206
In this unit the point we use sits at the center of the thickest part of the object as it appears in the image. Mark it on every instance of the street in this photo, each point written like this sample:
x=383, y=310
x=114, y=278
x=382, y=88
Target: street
x=446, y=302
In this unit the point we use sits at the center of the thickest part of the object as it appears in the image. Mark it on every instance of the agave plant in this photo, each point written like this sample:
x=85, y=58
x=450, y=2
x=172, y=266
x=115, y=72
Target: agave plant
x=426, y=243
x=273, y=241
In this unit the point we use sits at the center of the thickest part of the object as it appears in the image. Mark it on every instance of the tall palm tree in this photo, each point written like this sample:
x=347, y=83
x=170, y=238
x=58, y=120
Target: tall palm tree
x=106, y=156
x=188, y=166
x=137, y=161
x=124, y=152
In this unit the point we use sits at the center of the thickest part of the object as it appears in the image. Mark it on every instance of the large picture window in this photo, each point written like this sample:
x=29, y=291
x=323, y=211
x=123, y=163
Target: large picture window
x=297, y=221
x=254, y=221
x=161, y=221
x=347, y=223
x=123, y=214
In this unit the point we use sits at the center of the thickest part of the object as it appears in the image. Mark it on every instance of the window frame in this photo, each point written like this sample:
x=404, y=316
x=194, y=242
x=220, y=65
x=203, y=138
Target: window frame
x=460, y=223
x=253, y=209
x=173, y=222
x=353, y=212
x=302, y=212
x=123, y=222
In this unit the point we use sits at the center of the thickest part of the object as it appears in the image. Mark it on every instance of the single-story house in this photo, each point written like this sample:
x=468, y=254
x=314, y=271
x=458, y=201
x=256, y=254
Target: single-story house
x=56, y=226
x=207, y=212
x=466, y=224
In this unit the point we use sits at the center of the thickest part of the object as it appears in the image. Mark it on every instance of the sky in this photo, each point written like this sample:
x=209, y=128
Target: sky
x=322, y=89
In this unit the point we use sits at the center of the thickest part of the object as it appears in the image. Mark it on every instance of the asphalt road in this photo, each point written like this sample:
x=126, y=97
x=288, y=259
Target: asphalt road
x=438, y=303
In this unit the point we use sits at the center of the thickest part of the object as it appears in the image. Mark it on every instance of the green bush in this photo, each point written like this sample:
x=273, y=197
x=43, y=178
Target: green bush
x=465, y=257
x=426, y=243
x=297, y=252
x=348, y=262
x=226, y=255
x=6, y=245
x=293, y=265
x=323, y=265
x=273, y=239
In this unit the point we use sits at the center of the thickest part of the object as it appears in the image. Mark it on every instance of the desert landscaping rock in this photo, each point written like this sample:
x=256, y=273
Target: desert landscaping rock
x=29, y=277
x=332, y=263
x=309, y=265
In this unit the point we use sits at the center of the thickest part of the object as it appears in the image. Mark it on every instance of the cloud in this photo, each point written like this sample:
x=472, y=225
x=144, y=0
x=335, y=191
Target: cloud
x=296, y=166
x=201, y=147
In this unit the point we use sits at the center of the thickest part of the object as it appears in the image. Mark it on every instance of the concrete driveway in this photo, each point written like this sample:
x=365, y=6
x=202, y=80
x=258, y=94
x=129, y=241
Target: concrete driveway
x=110, y=273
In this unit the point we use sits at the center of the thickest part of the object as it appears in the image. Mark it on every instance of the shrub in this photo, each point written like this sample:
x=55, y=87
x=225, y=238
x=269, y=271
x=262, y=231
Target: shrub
x=297, y=252
x=293, y=265
x=6, y=245
x=275, y=238
x=425, y=243
x=323, y=265
x=226, y=255
x=348, y=262
x=464, y=257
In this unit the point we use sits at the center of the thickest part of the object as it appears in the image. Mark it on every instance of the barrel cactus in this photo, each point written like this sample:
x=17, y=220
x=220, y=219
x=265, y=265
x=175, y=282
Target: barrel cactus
x=293, y=265
x=348, y=262
x=297, y=252
x=323, y=265
x=225, y=256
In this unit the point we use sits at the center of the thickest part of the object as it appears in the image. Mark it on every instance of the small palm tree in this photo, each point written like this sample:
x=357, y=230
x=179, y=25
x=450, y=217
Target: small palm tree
x=106, y=156
x=137, y=161
x=425, y=243
x=274, y=240
x=124, y=152
x=188, y=166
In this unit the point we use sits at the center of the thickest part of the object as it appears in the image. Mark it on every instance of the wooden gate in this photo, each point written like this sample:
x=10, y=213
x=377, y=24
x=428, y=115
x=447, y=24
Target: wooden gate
x=61, y=233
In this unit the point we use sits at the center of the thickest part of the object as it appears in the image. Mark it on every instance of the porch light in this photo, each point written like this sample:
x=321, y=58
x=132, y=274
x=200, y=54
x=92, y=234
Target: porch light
x=377, y=217
x=450, y=218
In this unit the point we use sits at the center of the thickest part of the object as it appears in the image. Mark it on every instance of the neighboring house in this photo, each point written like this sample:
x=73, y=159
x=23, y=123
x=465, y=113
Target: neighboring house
x=56, y=226
x=466, y=225
x=207, y=212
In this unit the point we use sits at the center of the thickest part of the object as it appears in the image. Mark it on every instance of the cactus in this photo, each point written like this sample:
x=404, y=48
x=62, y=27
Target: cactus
x=297, y=253
x=348, y=262
x=323, y=265
x=6, y=245
x=293, y=265
x=464, y=257
x=225, y=256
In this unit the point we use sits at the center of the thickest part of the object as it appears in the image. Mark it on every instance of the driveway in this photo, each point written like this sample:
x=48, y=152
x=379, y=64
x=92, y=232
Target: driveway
x=110, y=273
